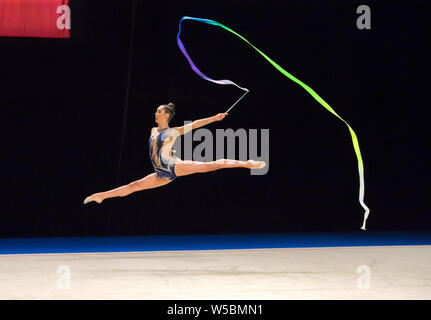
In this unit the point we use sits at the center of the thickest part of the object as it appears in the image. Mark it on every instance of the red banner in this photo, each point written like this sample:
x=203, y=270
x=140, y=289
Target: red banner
x=35, y=18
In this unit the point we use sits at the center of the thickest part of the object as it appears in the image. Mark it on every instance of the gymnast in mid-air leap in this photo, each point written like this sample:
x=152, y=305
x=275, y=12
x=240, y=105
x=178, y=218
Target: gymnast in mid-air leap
x=168, y=167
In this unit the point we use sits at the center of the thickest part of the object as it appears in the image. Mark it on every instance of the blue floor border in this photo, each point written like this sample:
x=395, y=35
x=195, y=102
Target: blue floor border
x=210, y=242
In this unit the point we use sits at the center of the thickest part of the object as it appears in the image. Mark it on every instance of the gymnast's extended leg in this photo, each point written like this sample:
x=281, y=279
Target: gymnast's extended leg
x=187, y=167
x=148, y=182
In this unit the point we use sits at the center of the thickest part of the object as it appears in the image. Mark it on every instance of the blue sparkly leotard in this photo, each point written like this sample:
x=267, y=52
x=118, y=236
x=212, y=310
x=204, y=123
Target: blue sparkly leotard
x=161, y=142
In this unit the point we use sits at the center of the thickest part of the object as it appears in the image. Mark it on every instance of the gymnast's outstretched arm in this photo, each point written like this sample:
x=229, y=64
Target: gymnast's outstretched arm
x=200, y=123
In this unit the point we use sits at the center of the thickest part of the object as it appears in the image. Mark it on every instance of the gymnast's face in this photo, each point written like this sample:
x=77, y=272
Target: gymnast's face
x=161, y=115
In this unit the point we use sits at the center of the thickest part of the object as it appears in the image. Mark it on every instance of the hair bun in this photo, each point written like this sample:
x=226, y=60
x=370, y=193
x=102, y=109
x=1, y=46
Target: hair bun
x=172, y=106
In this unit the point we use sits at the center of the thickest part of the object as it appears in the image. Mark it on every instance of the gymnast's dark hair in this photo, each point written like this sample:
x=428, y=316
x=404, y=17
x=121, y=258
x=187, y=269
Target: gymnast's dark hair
x=170, y=108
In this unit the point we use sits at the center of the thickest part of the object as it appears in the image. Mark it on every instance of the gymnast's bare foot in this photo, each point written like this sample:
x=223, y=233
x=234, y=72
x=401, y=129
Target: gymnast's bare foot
x=255, y=164
x=94, y=197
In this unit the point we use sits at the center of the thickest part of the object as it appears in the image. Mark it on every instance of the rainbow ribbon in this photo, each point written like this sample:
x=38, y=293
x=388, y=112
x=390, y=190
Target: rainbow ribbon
x=294, y=79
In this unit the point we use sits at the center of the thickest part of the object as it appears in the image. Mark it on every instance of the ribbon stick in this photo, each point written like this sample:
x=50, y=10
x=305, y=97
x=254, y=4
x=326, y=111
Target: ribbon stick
x=236, y=102
x=294, y=79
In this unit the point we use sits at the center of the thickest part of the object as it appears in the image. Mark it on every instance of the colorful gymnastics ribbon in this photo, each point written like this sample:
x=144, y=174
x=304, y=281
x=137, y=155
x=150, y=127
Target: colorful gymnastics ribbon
x=291, y=77
x=195, y=69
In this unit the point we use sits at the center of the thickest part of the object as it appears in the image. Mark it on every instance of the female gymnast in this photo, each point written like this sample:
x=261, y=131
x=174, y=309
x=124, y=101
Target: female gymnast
x=168, y=167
